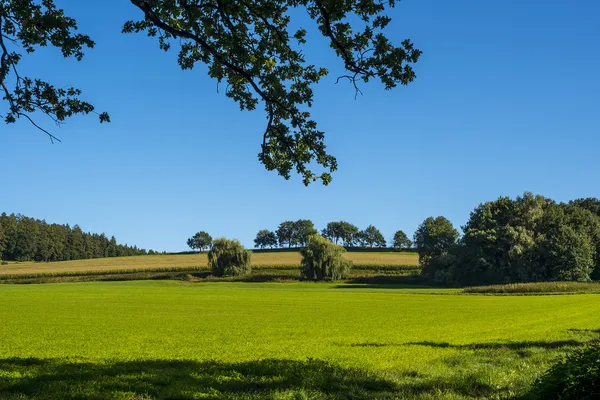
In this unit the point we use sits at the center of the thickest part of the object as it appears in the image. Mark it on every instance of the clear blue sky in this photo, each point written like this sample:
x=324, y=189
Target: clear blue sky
x=506, y=100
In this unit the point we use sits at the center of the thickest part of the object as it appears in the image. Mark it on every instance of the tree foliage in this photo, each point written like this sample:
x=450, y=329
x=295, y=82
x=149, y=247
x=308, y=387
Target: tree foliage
x=25, y=26
x=265, y=238
x=590, y=203
x=200, y=241
x=303, y=229
x=324, y=260
x=342, y=231
x=434, y=239
x=295, y=233
x=371, y=237
x=285, y=233
x=26, y=239
x=254, y=47
x=401, y=241
x=528, y=239
x=229, y=258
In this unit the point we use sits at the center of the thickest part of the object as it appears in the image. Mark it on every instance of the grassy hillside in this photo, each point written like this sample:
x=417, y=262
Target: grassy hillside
x=147, y=340
x=183, y=261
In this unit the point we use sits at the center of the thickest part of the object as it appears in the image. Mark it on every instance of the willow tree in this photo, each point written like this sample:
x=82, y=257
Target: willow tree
x=247, y=44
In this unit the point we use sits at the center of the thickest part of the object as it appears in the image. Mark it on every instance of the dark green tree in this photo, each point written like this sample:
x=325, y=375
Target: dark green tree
x=303, y=229
x=265, y=238
x=531, y=238
x=401, y=241
x=285, y=233
x=77, y=245
x=342, y=231
x=27, y=239
x=372, y=237
x=200, y=241
x=435, y=239
x=2, y=243
x=254, y=47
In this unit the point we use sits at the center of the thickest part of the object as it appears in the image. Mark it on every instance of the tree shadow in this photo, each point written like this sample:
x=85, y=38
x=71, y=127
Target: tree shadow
x=389, y=282
x=479, y=346
x=524, y=345
x=185, y=379
x=585, y=331
x=30, y=378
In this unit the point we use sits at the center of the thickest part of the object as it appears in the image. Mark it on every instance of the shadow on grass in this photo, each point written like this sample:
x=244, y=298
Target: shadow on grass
x=23, y=378
x=559, y=344
x=588, y=331
x=388, y=282
x=502, y=345
x=55, y=379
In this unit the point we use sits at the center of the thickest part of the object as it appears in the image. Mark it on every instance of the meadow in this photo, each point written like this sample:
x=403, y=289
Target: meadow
x=236, y=340
x=194, y=262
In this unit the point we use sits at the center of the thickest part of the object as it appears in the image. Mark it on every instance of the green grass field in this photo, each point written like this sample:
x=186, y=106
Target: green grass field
x=185, y=340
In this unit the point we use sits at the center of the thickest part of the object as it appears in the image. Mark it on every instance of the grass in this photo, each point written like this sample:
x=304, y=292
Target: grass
x=186, y=262
x=238, y=340
x=538, y=288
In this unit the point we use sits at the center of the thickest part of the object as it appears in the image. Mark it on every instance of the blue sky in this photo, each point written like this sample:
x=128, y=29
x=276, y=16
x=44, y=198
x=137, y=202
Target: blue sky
x=506, y=100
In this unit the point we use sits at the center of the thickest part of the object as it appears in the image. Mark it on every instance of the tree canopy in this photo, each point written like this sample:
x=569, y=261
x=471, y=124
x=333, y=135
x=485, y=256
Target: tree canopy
x=401, y=240
x=249, y=45
x=265, y=238
x=295, y=233
x=24, y=239
x=527, y=239
x=201, y=241
x=341, y=230
x=371, y=237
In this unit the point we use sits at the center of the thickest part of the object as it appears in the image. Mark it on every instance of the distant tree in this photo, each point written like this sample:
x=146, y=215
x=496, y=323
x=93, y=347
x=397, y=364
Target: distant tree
x=303, y=229
x=324, y=260
x=434, y=239
x=2, y=243
x=342, y=231
x=285, y=233
x=265, y=238
x=530, y=238
x=332, y=231
x=200, y=241
x=229, y=258
x=372, y=237
x=401, y=241
x=112, y=247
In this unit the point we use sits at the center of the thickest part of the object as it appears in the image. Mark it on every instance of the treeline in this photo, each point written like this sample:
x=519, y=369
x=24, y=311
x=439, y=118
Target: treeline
x=296, y=233
x=528, y=239
x=26, y=239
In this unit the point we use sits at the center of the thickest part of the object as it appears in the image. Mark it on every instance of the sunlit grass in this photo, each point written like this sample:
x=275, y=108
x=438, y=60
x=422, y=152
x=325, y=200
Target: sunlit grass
x=274, y=340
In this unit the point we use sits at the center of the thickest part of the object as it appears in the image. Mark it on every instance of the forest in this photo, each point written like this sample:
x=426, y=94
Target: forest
x=28, y=239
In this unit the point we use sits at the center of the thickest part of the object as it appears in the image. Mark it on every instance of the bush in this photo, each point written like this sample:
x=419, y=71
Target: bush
x=324, y=260
x=4, y=262
x=577, y=376
x=229, y=258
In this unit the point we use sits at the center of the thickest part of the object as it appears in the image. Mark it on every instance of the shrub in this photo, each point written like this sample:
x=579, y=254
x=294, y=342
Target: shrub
x=576, y=376
x=4, y=262
x=229, y=258
x=324, y=260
